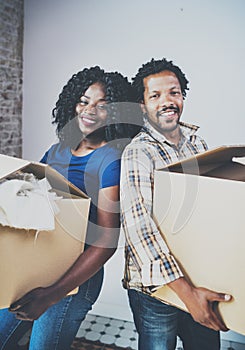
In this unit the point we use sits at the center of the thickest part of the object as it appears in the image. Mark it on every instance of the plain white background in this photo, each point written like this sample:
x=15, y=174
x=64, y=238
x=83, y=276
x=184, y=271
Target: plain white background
x=205, y=38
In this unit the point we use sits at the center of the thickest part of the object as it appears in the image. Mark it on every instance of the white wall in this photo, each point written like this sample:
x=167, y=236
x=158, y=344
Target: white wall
x=205, y=38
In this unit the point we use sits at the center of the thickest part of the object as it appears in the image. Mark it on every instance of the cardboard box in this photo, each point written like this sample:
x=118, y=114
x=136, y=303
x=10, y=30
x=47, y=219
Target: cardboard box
x=28, y=260
x=199, y=207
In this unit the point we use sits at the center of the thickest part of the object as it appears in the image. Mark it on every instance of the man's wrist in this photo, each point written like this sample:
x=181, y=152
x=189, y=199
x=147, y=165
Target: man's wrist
x=182, y=288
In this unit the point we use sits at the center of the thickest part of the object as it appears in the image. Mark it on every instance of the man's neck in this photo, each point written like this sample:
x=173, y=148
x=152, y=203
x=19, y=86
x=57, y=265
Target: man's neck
x=173, y=136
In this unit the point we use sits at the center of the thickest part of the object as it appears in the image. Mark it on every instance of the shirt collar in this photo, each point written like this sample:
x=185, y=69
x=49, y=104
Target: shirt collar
x=187, y=130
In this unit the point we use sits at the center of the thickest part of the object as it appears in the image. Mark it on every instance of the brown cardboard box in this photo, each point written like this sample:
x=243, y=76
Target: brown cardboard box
x=199, y=207
x=28, y=260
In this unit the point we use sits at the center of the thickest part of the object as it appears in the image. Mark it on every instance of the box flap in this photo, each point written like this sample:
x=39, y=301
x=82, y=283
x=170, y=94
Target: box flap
x=56, y=180
x=9, y=165
x=207, y=160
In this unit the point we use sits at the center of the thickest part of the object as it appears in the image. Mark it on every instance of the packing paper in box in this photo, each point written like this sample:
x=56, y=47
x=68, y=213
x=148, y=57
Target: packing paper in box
x=27, y=204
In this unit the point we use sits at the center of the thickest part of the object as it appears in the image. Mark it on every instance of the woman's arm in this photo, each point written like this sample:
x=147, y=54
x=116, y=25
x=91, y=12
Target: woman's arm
x=32, y=305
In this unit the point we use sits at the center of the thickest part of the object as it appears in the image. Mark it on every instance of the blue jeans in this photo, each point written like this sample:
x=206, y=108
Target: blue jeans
x=58, y=326
x=159, y=324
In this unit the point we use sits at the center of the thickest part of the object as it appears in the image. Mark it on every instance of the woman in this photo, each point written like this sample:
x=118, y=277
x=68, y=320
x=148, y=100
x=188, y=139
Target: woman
x=92, y=132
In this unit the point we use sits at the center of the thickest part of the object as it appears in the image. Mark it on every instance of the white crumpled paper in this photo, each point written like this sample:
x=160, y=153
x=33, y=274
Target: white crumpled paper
x=28, y=204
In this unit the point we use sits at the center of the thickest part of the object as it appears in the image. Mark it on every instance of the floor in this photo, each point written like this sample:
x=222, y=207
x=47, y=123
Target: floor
x=102, y=333
x=109, y=331
x=121, y=333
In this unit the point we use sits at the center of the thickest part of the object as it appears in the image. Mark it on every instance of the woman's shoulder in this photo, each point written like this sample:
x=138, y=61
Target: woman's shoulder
x=55, y=151
x=106, y=157
x=109, y=151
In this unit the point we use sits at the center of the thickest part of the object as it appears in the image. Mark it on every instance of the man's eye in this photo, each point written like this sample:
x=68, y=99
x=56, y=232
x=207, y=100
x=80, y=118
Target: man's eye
x=152, y=97
x=175, y=92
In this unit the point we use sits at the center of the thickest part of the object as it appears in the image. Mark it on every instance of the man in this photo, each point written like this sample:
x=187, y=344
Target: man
x=161, y=88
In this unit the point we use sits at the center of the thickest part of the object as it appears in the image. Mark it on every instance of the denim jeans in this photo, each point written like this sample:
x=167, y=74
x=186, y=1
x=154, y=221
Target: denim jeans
x=58, y=326
x=159, y=324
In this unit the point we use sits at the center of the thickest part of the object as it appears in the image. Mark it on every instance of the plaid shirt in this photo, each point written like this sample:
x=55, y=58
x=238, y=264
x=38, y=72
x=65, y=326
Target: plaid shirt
x=149, y=263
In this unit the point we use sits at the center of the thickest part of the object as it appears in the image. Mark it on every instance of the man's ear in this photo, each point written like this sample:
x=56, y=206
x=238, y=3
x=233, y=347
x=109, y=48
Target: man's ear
x=142, y=106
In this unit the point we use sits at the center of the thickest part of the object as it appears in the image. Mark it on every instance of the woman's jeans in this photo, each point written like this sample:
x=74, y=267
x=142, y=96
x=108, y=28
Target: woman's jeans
x=58, y=326
x=158, y=325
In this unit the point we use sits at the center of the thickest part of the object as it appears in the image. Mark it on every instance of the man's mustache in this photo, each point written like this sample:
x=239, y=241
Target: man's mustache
x=175, y=109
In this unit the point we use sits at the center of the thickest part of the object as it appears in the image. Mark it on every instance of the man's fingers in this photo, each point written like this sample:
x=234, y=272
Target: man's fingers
x=214, y=322
x=219, y=317
x=220, y=297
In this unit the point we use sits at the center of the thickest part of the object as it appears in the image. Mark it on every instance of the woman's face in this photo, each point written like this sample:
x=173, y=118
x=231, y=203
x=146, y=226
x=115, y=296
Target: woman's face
x=91, y=110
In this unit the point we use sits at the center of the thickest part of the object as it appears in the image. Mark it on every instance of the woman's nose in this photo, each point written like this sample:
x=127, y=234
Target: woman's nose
x=90, y=109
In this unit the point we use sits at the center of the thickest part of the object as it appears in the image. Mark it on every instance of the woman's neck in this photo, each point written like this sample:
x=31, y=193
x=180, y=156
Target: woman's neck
x=87, y=145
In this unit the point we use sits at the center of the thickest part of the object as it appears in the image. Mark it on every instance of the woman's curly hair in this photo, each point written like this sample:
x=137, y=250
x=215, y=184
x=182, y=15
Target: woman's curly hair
x=124, y=117
x=154, y=67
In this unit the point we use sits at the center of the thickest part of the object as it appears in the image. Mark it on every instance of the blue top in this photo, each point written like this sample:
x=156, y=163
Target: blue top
x=90, y=173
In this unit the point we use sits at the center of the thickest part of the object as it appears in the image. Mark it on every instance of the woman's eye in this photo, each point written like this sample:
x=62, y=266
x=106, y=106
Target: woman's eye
x=82, y=102
x=101, y=107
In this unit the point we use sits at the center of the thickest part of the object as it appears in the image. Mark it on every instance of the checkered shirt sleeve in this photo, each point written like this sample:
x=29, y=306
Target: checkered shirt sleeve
x=144, y=243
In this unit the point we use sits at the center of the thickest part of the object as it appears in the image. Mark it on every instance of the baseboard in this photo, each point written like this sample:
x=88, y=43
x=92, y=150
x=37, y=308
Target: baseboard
x=115, y=311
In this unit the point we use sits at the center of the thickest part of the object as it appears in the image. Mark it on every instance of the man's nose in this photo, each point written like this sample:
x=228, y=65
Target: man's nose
x=166, y=100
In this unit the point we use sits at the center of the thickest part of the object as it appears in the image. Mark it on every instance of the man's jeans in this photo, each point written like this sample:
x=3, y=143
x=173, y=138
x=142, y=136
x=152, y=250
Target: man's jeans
x=158, y=325
x=57, y=327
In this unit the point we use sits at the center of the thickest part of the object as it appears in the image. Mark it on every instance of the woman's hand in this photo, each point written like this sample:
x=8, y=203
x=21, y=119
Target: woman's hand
x=33, y=304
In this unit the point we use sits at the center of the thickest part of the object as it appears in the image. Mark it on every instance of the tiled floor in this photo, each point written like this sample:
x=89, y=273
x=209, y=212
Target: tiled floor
x=123, y=333
x=111, y=331
x=108, y=331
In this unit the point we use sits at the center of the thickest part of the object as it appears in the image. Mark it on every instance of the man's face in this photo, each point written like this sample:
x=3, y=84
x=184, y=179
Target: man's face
x=163, y=101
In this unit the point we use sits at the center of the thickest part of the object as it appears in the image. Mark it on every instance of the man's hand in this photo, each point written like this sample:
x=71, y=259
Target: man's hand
x=201, y=303
x=33, y=304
